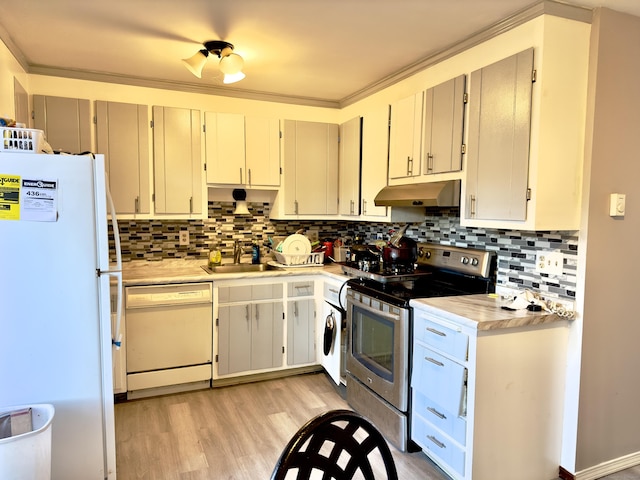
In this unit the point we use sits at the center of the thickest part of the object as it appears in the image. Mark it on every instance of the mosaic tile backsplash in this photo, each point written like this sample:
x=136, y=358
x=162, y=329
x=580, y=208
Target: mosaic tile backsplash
x=515, y=250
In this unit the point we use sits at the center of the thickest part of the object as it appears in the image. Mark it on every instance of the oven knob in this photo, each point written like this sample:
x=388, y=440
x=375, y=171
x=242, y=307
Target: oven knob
x=474, y=262
x=464, y=260
x=424, y=253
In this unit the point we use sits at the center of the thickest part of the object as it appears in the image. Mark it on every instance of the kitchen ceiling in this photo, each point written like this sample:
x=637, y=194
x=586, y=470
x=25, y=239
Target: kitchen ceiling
x=303, y=50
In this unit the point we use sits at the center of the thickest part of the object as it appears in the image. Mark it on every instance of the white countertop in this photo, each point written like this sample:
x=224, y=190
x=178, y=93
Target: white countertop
x=143, y=272
x=484, y=312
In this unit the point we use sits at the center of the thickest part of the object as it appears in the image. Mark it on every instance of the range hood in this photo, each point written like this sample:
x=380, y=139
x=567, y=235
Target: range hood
x=433, y=194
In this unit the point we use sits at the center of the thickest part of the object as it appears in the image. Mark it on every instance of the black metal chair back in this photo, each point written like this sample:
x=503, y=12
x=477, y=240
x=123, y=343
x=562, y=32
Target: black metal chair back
x=333, y=443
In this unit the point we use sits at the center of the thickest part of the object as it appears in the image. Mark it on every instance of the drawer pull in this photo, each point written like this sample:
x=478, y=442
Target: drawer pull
x=436, y=441
x=434, y=361
x=437, y=332
x=441, y=416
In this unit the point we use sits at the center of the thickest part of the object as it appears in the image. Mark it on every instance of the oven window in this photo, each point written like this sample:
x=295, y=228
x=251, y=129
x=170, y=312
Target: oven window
x=373, y=340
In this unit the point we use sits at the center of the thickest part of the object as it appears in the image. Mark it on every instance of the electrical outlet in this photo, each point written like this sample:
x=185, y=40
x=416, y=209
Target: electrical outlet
x=550, y=263
x=184, y=237
x=378, y=236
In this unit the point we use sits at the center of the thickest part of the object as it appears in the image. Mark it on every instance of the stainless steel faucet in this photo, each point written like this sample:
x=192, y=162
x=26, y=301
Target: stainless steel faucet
x=237, y=251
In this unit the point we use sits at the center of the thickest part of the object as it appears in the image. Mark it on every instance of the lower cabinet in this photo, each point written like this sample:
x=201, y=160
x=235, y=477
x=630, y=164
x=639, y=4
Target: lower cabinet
x=264, y=326
x=487, y=404
x=250, y=327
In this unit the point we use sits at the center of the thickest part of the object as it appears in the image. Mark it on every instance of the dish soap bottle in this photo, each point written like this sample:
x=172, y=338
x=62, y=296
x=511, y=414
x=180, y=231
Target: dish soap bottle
x=255, y=253
x=215, y=257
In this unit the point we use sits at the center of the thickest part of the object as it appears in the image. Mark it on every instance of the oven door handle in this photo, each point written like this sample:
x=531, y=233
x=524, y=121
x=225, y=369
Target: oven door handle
x=388, y=316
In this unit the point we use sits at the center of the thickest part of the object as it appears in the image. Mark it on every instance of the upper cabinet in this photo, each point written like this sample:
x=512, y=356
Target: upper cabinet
x=66, y=122
x=242, y=150
x=310, y=152
x=122, y=135
x=349, y=167
x=499, y=128
x=442, y=137
x=405, y=136
x=375, y=150
x=177, y=161
x=525, y=146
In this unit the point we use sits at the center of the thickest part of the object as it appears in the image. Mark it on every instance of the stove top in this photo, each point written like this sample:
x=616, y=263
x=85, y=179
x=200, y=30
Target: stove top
x=440, y=270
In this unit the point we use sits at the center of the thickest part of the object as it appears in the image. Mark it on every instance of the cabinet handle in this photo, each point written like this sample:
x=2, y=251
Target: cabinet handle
x=409, y=166
x=295, y=309
x=137, y=205
x=257, y=312
x=333, y=290
x=429, y=162
x=190, y=204
x=351, y=207
x=434, y=361
x=472, y=205
x=436, y=441
x=246, y=312
x=364, y=207
x=437, y=332
x=295, y=207
x=249, y=176
x=441, y=416
x=240, y=175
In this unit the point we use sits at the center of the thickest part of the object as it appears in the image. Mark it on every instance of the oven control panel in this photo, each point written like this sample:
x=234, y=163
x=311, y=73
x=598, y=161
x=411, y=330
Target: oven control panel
x=458, y=259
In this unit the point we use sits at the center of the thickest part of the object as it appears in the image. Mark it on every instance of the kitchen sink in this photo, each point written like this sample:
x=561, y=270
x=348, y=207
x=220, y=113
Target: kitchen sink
x=236, y=268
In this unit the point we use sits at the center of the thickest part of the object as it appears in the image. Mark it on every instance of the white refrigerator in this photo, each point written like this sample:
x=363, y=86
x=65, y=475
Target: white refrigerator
x=55, y=324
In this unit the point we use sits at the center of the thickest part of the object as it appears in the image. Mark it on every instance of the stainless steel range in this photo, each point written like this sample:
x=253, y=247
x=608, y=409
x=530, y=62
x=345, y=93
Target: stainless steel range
x=379, y=326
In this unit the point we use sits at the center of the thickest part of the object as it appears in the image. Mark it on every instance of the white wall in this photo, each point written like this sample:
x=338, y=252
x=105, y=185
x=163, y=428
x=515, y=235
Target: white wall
x=10, y=69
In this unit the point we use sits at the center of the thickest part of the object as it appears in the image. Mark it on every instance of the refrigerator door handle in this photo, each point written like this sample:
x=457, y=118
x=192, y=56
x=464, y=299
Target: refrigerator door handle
x=116, y=338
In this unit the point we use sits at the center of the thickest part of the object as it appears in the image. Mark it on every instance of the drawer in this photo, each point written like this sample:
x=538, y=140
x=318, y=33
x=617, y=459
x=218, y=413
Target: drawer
x=434, y=442
x=246, y=293
x=439, y=378
x=450, y=423
x=331, y=292
x=300, y=289
x=449, y=340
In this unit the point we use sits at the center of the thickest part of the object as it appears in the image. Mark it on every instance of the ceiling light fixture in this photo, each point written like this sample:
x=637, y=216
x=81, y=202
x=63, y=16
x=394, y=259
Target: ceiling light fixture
x=230, y=64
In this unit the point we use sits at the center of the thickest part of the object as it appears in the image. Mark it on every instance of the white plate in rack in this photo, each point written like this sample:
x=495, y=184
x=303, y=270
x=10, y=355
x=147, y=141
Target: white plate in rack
x=296, y=244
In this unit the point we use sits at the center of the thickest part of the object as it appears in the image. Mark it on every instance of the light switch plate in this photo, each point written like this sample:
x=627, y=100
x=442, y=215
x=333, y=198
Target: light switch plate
x=617, y=204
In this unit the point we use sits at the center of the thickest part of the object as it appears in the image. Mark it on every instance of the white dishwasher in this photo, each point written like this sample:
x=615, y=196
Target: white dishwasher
x=169, y=338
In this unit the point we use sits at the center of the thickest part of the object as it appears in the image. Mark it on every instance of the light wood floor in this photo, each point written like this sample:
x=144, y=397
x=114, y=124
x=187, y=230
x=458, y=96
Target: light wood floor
x=231, y=433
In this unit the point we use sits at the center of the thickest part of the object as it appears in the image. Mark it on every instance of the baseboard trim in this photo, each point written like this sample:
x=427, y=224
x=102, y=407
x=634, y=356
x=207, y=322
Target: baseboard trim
x=603, y=469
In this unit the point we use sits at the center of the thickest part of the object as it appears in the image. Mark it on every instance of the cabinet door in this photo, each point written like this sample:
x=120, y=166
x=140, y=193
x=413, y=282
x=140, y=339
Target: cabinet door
x=66, y=122
x=443, y=127
x=122, y=135
x=311, y=168
x=301, y=332
x=498, y=145
x=349, y=167
x=234, y=339
x=177, y=160
x=224, y=148
x=266, y=335
x=404, y=140
x=375, y=151
x=262, y=149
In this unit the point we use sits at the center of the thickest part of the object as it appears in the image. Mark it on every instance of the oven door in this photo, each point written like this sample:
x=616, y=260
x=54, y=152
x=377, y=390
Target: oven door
x=378, y=347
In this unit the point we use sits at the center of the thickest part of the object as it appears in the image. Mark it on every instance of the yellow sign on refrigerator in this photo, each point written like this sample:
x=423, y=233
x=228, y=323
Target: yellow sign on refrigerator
x=9, y=197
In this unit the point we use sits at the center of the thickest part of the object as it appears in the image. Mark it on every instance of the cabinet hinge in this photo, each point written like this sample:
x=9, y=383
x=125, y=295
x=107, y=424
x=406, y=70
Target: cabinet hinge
x=280, y=170
x=151, y=124
x=463, y=149
x=95, y=120
x=534, y=76
x=280, y=133
x=204, y=128
x=205, y=167
x=283, y=349
x=465, y=98
x=528, y=194
x=283, y=317
x=216, y=358
x=153, y=197
x=217, y=322
x=33, y=114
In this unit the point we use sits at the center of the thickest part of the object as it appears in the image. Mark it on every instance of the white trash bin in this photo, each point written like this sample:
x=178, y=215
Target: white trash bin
x=28, y=456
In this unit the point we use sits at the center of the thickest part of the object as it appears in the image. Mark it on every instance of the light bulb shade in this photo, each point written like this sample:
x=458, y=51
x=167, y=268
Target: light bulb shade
x=235, y=77
x=241, y=208
x=231, y=64
x=196, y=63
